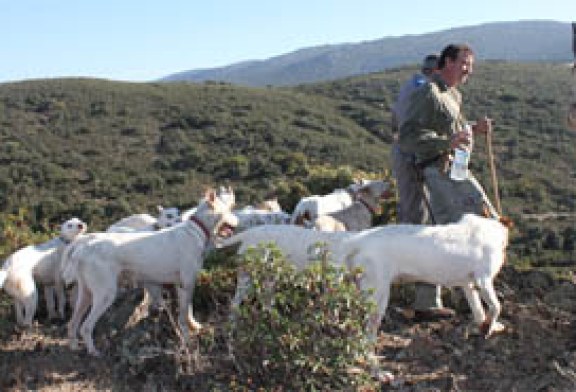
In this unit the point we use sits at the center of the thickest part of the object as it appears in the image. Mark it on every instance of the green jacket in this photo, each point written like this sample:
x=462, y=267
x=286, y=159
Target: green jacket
x=433, y=115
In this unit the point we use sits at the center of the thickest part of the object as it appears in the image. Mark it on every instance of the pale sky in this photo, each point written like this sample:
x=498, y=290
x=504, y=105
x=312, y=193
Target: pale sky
x=145, y=40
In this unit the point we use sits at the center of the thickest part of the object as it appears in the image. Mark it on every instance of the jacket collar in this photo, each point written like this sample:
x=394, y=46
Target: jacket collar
x=437, y=79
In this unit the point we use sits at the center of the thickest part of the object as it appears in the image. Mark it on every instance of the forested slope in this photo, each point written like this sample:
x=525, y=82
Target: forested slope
x=101, y=150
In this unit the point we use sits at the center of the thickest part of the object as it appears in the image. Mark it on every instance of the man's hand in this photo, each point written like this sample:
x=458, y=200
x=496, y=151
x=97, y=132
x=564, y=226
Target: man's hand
x=460, y=139
x=482, y=126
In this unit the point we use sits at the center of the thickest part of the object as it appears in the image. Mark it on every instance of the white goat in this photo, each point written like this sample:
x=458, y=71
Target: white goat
x=271, y=205
x=467, y=254
x=39, y=264
x=357, y=216
x=311, y=207
x=171, y=256
x=225, y=194
x=167, y=217
x=250, y=217
x=266, y=212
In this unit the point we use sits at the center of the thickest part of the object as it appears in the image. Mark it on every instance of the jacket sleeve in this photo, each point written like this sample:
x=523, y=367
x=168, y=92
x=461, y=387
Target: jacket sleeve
x=426, y=130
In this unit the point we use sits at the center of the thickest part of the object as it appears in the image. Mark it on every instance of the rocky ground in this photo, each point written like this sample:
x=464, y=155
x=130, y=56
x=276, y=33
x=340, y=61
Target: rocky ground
x=537, y=352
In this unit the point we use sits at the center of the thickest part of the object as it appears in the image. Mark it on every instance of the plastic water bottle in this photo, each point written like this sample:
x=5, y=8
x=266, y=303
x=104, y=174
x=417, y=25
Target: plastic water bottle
x=459, y=169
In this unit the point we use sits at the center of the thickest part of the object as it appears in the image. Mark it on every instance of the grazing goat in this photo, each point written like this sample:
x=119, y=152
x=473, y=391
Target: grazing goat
x=467, y=254
x=171, y=256
x=39, y=264
x=300, y=245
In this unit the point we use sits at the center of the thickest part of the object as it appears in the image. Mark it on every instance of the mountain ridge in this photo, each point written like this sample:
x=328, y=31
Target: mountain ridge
x=526, y=41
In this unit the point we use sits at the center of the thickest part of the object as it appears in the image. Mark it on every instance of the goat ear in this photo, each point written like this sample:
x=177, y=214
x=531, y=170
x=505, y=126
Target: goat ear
x=211, y=196
x=160, y=208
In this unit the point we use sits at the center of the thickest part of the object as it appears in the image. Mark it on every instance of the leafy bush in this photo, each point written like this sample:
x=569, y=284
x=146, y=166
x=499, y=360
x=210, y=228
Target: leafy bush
x=16, y=232
x=301, y=329
x=216, y=281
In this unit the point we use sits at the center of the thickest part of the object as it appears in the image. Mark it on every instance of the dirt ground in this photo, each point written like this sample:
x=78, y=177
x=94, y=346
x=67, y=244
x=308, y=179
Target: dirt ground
x=537, y=352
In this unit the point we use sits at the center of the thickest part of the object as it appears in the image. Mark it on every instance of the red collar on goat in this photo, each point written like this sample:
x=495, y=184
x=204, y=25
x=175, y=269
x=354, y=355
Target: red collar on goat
x=202, y=226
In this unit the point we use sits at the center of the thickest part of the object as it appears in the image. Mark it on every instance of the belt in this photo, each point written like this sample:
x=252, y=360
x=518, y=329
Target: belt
x=427, y=162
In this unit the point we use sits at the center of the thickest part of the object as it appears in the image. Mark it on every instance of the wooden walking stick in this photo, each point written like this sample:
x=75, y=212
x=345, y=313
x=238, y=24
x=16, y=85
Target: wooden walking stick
x=493, y=168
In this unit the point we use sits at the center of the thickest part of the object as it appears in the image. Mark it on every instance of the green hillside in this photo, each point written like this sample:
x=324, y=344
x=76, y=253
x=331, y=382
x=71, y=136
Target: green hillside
x=101, y=150
x=98, y=148
x=534, y=149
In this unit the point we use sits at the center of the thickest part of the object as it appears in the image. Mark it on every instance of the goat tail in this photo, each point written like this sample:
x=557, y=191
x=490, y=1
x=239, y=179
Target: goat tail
x=3, y=276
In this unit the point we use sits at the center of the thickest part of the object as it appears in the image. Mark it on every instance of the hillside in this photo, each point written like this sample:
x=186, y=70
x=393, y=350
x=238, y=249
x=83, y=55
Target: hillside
x=526, y=41
x=533, y=147
x=101, y=150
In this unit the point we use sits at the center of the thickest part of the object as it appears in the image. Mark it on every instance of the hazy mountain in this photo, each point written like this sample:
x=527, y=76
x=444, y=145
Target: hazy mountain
x=524, y=41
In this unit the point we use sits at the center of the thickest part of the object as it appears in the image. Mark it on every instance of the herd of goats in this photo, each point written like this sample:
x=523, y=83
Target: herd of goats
x=171, y=248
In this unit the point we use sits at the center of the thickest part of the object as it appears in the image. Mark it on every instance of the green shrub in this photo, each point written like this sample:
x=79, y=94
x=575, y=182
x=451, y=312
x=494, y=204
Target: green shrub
x=303, y=330
x=17, y=232
x=216, y=282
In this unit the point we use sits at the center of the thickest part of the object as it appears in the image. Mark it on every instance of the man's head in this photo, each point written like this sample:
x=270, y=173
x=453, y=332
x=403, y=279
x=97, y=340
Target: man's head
x=456, y=63
x=429, y=64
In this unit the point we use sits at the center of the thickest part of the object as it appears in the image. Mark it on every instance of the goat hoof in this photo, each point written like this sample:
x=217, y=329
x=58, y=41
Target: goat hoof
x=489, y=330
x=496, y=328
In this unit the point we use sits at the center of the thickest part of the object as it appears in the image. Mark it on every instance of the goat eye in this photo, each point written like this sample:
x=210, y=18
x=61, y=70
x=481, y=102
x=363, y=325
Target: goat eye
x=169, y=216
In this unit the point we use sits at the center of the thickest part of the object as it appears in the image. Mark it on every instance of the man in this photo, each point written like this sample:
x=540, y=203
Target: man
x=411, y=203
x=433, y=128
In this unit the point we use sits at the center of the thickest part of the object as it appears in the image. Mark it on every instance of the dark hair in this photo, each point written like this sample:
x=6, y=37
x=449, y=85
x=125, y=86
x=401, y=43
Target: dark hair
x=451, y=51
x=430, y=63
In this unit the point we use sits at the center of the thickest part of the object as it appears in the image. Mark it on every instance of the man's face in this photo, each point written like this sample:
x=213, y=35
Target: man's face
x=462, y=67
